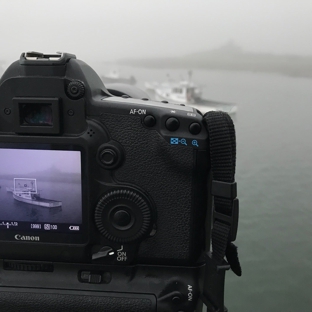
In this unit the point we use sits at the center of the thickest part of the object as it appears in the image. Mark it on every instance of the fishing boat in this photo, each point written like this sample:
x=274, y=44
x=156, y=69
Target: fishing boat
x=114, y=77
x=25, y=190
x=187, y=93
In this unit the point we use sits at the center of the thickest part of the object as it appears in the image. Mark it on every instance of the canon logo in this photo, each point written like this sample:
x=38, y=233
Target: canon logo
x=27, y=238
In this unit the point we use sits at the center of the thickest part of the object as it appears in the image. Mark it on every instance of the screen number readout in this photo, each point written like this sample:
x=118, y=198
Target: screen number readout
x=35, y=226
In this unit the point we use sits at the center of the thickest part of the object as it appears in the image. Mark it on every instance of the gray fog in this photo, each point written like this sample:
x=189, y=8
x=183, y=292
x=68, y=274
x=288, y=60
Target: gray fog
x=15, y=161
x=108, y=30
x=270, y=87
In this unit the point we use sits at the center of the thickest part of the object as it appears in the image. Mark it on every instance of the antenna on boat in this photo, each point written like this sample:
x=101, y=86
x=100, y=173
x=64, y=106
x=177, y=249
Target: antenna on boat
x=190, y=73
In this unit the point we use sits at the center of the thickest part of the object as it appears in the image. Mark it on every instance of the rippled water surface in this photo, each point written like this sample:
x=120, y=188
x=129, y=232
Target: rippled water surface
x=274, y=174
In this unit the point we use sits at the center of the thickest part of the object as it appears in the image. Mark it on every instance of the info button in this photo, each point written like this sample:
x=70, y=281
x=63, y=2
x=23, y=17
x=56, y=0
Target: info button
x=74, y=227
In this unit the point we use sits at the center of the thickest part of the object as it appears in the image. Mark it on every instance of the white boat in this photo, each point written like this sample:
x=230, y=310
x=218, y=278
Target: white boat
x=182, y=92
x=25, y=190
x=114, y=77
x=187, y=93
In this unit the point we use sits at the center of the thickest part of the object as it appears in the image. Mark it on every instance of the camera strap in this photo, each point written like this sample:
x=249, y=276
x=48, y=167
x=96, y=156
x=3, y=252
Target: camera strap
x=222, y=143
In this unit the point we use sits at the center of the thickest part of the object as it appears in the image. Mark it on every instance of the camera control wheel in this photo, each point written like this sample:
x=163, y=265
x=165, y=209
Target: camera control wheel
x=123, y=216
x=75, y=90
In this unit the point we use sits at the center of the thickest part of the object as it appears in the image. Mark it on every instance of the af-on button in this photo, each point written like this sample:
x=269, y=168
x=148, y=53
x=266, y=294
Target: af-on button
x=149, y=121
x=172, y=124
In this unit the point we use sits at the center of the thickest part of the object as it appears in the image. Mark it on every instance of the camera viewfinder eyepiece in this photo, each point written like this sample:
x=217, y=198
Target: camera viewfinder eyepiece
x=37, y=115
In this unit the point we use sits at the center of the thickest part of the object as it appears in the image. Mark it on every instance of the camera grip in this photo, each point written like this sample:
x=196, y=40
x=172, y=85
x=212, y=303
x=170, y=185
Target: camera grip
x=30, y=300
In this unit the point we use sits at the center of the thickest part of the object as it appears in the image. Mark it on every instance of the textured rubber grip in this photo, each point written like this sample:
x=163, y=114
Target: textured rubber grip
x=27, y=300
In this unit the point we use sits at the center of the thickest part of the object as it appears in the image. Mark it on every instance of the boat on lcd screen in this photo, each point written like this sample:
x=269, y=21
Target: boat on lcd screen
x=25, y=190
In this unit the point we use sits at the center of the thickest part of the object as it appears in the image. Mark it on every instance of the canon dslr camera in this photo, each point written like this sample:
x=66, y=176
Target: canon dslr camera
x=105, y=200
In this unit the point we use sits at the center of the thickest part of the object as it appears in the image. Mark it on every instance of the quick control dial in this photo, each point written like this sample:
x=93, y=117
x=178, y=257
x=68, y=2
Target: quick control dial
x=123, y=216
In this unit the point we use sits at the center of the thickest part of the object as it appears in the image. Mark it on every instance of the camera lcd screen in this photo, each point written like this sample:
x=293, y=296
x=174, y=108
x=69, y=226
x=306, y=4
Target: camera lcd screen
x=40, y=190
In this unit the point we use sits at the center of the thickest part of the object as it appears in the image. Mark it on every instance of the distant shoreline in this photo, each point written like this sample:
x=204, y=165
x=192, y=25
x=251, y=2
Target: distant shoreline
x=227, y=59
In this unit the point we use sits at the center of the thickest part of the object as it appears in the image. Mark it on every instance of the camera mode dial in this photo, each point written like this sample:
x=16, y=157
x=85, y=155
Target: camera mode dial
x=123, y=216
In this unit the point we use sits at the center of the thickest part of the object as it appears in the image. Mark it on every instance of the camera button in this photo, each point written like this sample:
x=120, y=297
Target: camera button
x=149, y=121
x=121, y=218
x=176, y=299
x=92, y=278
x=195, y=128
x=108, y=156
x=172, y=124
x=76, y=90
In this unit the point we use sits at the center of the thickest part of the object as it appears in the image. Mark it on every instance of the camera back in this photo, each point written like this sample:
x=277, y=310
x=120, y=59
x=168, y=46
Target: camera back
x=90, y=177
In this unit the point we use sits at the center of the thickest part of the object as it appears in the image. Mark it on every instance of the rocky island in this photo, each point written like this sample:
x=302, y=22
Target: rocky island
x=231, y=57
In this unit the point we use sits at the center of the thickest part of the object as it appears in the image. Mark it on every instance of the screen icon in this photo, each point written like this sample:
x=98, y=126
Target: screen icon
x=74, y=227
x=174, y=141
x=183, y=141
x=195, y=143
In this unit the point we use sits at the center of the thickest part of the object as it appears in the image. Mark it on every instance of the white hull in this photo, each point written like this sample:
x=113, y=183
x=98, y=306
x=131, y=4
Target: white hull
x=25, y=190
x=162, y=97
x=42, y=202
x=203, y=106
x=169, y=92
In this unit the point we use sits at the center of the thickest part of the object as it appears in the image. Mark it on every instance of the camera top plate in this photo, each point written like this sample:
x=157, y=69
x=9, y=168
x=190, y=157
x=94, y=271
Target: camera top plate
x=38, y=58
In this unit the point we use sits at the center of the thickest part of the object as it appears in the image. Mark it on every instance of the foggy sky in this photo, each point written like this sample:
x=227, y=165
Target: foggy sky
x=21, y=162
x=108, y=30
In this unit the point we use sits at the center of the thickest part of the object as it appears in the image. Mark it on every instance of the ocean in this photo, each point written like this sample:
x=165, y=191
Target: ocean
x=274, y=176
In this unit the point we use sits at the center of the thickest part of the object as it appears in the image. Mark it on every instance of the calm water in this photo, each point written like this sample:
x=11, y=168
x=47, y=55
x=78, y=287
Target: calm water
x=274, y=175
